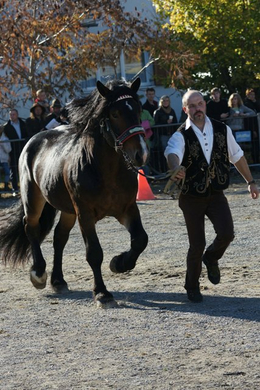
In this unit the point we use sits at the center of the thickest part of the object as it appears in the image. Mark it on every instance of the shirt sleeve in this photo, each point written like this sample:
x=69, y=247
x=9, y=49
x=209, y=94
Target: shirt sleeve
x=234, y=150
x=247, y=110
x=176, y=145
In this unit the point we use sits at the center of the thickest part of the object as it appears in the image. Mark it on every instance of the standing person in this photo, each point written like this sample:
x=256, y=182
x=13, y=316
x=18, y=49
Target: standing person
x=238, y=111
x=55, y=110
x=15, y=130
x=5, y=149
x=204, y=147
x=250, y=100
x=217, y=108
x=165, y=115
x=61, y=120
x=252, y=123
x=150, y=105
x=35, y=123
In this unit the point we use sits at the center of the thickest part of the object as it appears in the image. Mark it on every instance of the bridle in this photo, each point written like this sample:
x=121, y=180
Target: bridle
x=116, y=141
x=119, y=139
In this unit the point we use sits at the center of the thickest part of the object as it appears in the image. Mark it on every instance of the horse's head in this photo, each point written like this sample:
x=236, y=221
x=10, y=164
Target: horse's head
x=123, y=120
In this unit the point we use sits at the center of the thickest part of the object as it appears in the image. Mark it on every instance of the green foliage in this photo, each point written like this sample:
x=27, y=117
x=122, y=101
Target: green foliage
x=225, y=34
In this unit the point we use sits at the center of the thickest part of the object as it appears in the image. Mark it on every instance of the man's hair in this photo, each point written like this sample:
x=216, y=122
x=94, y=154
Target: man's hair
x=187, y=95
x=39, y=91
x=215, y=89
x=249, y=90
x=150, y=90
x=14, y=109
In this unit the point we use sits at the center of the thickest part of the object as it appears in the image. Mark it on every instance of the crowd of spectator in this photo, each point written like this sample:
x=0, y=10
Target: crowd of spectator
x=234, y=111
x=16, y=132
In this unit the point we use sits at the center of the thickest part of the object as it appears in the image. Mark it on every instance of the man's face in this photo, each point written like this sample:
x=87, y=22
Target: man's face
x=56, y=110
x=196, y=108
x=251, y=96
x=13, y=115
x=216, y=96
x=38, y=111
x=150, y=96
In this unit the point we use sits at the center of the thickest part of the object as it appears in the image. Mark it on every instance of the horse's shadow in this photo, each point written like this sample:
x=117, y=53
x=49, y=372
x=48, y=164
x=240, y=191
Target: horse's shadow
x=244, y=308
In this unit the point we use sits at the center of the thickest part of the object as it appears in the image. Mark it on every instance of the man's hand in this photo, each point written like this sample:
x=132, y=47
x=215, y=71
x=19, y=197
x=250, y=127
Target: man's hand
x=253, y=190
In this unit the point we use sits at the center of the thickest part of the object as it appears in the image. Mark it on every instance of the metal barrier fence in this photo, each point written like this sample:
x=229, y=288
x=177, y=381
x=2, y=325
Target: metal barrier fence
x=247, y=137
x=17, y=146
x=158, y=143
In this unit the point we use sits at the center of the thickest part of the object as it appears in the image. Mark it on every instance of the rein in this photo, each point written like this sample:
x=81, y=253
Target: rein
x=118, y=142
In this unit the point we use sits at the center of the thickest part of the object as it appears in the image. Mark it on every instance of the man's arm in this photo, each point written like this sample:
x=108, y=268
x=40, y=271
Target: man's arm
x=243, y=168
x=174, y=163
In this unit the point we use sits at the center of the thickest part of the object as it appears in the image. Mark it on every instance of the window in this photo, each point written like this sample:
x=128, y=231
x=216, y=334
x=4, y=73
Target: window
x=127, y=67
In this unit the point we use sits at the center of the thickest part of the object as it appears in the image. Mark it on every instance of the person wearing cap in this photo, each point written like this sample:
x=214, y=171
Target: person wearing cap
x=55, y=109
x=35, y=123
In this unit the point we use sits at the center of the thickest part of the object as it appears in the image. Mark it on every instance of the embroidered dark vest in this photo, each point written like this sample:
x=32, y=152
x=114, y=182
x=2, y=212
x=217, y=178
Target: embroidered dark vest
x=200, y=174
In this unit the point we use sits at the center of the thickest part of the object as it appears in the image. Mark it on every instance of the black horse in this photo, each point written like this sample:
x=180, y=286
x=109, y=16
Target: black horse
x=84, y=171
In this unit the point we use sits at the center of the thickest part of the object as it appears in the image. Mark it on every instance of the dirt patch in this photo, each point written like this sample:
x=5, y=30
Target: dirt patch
x=156, y=339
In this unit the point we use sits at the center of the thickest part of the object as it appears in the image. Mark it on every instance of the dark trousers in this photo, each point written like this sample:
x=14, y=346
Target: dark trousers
x=14, y=175
x=195, y=208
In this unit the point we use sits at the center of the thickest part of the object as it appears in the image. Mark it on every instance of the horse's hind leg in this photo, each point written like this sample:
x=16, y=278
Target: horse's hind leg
x=61, y=235
x=139, y=239
x=33, y=207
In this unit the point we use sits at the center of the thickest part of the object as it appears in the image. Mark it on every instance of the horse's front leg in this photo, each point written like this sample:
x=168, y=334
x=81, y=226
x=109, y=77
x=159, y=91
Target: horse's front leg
x=61, y=236
x=139, y=240
x=94, y=254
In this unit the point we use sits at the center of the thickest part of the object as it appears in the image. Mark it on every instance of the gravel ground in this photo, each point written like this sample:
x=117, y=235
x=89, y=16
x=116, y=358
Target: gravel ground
x=156, y=338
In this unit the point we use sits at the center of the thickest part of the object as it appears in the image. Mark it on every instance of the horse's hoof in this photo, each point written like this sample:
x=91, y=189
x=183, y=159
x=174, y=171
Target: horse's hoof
x=60, y=288
x=105, y=302
x=38, y=282
x=119, y=266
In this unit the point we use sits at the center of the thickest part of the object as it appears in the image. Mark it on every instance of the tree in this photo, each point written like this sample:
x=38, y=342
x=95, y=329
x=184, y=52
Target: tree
x=225, y=34
x=48, y=44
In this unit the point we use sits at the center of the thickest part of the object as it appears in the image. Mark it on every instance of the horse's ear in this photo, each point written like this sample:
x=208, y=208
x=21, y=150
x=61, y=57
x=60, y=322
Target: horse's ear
x=102, y=89
x=136, y=84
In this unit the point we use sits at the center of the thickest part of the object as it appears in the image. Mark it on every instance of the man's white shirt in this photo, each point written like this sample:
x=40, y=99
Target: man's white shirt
x=176, y=143
x=16, y=125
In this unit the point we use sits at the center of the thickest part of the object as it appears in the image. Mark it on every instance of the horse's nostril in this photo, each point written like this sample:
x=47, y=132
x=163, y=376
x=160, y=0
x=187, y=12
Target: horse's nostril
x=140, y=159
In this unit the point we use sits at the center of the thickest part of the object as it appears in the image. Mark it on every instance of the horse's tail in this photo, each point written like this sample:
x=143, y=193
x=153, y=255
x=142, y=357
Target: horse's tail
x=15, y=247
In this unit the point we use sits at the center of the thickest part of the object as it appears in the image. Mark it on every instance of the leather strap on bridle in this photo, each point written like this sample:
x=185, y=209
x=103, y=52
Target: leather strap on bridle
x=117, y=143
x=119, y=139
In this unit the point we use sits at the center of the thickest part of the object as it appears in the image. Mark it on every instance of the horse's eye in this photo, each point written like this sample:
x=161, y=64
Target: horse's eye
x=114, y=114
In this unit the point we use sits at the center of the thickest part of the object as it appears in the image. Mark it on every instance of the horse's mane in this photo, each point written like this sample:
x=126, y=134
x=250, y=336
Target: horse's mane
x=86, y=113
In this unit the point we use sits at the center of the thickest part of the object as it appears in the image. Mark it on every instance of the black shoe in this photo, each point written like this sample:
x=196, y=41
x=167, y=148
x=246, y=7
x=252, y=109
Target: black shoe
x=213, y=271
x=194, y=295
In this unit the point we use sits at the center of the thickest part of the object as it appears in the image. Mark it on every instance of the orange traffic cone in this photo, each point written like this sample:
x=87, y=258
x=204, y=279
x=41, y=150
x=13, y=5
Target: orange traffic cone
x=144, y=191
